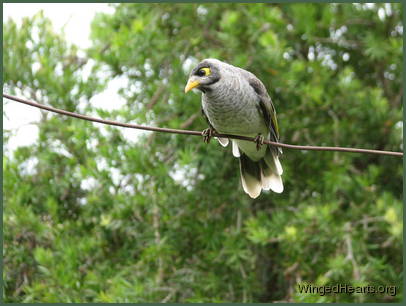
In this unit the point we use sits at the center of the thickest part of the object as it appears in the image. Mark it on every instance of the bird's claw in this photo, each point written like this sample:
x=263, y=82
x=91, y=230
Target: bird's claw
x=207, y=134
x=259, y=140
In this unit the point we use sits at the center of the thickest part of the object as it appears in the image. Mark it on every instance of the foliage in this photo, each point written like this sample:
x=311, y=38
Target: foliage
x=91, y=216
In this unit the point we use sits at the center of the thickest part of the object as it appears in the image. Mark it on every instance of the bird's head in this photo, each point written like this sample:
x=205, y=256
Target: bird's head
x=204, y=75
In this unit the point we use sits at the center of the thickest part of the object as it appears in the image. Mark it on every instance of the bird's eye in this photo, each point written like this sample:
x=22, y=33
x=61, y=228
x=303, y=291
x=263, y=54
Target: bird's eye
x=203, y=72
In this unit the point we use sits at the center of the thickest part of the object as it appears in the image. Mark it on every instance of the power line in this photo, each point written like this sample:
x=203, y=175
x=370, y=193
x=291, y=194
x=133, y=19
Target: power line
x=197, y=133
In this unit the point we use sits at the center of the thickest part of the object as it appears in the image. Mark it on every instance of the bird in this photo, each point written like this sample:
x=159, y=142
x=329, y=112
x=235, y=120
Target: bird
x=234, y=101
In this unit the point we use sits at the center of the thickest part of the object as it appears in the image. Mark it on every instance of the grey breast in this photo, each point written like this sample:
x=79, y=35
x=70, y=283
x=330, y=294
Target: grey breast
x=232, y=105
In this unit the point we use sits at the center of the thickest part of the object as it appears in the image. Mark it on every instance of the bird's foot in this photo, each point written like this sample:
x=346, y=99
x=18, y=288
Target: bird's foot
x=208, y=134
x=259, y=140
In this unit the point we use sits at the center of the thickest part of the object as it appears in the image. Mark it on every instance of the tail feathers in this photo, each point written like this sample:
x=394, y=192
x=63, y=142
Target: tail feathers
x=270, y=179
x=272, y=160
x=260, y=175
x=250, y=176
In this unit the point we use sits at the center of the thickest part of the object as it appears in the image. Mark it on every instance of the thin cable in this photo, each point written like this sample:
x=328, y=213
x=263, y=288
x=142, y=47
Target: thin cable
x=197, y=133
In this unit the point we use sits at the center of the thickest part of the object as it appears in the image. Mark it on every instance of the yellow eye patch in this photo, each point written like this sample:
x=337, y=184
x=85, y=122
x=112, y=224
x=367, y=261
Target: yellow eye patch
x=204, y=71
x=207, y=71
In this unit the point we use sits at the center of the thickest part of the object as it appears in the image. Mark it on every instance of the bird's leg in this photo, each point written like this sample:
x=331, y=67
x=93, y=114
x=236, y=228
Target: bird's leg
x=259, y=140
x=208, y=134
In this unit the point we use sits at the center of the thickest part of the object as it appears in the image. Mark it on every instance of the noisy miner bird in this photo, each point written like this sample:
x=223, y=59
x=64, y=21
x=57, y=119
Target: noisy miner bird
x=235, y=101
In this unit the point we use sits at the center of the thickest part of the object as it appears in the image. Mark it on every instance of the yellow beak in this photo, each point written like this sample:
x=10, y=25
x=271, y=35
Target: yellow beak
x=191, y=84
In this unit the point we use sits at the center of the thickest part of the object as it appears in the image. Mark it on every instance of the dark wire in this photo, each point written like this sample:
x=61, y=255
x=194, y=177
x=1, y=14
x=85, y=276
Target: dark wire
x=197, y=133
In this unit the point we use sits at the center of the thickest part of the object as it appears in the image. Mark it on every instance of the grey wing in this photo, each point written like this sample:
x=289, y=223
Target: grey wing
x=266, y=106
x=271, y=168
